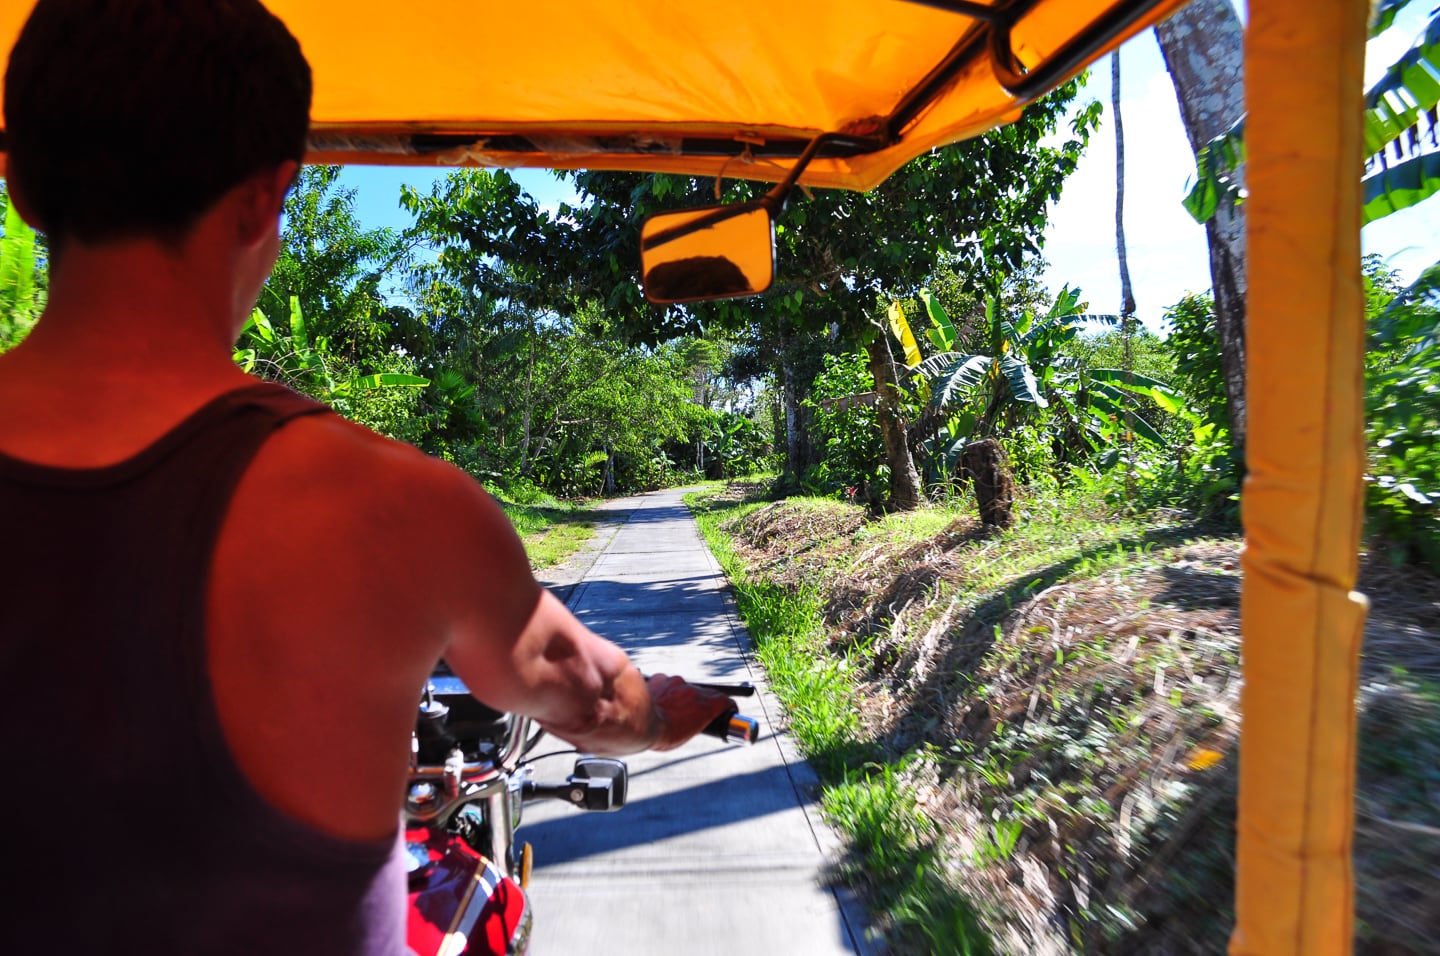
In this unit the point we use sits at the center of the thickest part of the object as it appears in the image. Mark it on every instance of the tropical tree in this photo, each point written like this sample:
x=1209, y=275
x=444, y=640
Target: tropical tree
x=1401, y=127
x=322, y=324
x=335, y=267
x=1403, y=413
x=1024, y=368
x=1203, y=46
x=1127, y=292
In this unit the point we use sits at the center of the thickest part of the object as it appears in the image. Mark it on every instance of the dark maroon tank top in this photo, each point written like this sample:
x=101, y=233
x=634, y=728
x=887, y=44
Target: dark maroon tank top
x=125, y=824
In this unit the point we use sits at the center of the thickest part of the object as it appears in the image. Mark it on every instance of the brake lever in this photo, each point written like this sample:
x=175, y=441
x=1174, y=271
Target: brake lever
x=743, y=689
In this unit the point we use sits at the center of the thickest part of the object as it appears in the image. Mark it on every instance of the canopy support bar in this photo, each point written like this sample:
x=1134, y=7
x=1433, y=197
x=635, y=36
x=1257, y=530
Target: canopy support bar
x=1024, y=84
x=1305, y=342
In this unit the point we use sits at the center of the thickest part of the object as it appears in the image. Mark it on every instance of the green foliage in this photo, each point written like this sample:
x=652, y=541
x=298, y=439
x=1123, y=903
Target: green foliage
x=1028, y=382
x=1399, y=109
x=1208, y=470
x=1399, y=118
x=842, y=407
x=1216, y=181
x=320, y=326
x=20, y=300
x=1403, y=415
x=1193, y=345
x=975, y=210
x=729, y=444
x=313, y=367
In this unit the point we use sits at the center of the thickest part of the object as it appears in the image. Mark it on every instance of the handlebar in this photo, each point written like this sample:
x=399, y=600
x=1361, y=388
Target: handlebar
x=734, y=728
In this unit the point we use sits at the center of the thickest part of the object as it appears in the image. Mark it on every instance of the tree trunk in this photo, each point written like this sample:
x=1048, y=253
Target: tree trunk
x=1203, y=46
x=529, y=402
x=989, y=469
x=791, y=401
x=795, y=360
x=904, y=480
x=1127, y=292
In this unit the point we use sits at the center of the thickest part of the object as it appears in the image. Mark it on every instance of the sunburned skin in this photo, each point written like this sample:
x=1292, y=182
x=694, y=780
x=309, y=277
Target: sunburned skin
x=347, y=564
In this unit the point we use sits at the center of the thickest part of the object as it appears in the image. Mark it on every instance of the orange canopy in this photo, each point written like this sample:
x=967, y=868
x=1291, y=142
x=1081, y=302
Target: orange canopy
x=680, y=87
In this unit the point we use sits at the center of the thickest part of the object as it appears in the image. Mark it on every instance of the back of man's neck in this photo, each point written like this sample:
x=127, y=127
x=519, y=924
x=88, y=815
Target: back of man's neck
x=130, y=343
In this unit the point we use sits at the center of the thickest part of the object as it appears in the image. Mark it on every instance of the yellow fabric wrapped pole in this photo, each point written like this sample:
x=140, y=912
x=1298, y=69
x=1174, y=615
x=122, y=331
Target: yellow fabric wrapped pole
x=1301, y=621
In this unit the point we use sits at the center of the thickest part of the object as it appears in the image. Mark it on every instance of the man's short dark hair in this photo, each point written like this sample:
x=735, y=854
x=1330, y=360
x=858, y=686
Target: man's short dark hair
x=129, y=118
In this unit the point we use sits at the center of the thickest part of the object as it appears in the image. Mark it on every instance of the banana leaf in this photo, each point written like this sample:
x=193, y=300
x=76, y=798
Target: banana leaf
x=901, y=329
x=391, y=380
x=951, y=374
x=261, y=326
x=942, y=336
x=1021, y=380
x=1401, y=186
x=1409, y=89
x=1110, y=401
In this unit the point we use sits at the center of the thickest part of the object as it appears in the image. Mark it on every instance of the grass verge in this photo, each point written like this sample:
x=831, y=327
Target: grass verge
x=893, y=846
x=551, y=532
x=1029, y=738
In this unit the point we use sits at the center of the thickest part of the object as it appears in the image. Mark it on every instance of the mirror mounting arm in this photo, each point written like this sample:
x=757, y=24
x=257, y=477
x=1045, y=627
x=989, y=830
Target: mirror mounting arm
x=774, y=200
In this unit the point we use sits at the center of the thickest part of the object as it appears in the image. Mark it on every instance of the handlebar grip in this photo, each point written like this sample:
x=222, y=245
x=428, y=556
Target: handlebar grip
x=733, y=727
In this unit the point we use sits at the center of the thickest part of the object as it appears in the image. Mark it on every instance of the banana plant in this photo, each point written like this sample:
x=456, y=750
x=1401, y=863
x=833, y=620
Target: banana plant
x=304, y=365
x=973, y=395
x=1402, y=135
x=1402, y=131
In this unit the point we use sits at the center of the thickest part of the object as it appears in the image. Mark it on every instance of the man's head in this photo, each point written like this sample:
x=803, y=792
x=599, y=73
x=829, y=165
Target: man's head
x=130, y=118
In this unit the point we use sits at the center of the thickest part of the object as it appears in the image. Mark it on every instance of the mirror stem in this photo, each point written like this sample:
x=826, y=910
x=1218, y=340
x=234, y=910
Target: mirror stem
x=774, y=200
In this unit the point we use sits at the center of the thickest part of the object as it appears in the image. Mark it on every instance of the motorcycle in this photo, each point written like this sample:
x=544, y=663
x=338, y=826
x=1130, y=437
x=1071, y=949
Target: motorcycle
x=469, y=780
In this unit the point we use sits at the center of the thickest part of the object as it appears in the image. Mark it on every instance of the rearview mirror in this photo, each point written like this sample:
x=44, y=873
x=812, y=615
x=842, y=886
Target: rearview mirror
x=718, y=252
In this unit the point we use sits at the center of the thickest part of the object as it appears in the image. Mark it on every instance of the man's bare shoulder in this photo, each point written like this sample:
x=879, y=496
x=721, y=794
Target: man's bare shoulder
x=380, y=537
x=376, y=477
x=379, y=513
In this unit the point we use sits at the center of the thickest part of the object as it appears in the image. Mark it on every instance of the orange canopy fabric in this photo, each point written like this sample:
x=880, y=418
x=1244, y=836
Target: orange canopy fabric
x=678, y=87
x=1305, y=341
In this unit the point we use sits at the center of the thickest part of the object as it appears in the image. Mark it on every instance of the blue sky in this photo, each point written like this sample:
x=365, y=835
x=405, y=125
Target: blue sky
x=1167, y=252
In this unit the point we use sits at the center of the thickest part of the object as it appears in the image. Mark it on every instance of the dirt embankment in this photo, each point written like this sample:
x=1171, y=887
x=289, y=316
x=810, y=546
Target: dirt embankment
x=1079, y=720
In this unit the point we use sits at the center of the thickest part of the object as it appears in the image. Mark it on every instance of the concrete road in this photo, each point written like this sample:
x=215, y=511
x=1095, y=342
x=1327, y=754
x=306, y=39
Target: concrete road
x=721, y=849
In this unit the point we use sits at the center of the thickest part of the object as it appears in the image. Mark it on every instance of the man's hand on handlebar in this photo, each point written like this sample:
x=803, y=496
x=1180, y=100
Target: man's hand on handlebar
x=683, y=710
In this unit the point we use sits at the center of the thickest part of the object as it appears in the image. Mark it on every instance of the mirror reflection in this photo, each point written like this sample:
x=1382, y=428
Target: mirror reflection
x=718, y=252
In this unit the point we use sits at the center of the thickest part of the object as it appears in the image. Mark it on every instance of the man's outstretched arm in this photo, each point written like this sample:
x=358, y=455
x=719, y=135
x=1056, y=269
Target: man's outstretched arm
x=519, y=649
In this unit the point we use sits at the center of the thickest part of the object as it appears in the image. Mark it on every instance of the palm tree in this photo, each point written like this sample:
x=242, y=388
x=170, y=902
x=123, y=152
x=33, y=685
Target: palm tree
x=1203, y=46
x=1127, y=293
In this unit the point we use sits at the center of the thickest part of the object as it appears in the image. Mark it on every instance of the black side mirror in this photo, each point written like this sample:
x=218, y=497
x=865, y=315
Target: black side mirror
x=598, y=783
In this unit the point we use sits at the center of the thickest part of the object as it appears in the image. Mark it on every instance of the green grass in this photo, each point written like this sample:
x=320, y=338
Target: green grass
x=551, y=532
x=892, y=844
